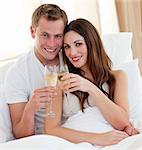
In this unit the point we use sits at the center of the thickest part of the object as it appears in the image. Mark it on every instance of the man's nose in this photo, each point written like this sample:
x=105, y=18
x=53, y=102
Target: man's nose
x=51, y=42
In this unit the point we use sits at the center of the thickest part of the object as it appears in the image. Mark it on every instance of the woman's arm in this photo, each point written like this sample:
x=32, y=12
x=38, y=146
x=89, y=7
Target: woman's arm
x=117, y=112
x=102, y=139
x=119, y=107
x=53, y=127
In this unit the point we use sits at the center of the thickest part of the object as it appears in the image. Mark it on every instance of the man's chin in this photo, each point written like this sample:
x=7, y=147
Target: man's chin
x=52, y=58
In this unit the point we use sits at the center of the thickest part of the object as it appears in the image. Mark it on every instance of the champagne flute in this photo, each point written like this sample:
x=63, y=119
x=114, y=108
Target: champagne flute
x=63, y=67
x=51, y=78
x=62, y=70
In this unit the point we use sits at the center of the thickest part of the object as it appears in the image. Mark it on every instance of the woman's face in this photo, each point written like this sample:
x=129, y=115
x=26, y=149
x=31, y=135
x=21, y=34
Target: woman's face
x=75, y=49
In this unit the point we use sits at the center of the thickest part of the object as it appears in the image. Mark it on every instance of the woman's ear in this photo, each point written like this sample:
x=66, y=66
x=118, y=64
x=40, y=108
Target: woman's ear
x=32, y=29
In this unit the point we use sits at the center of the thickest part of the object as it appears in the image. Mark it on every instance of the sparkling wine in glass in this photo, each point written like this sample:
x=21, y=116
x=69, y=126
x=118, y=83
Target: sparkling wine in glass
x=62, y=71
x=51, y=78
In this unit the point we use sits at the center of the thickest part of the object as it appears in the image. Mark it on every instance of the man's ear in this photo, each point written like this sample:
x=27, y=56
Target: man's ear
x=32, y=29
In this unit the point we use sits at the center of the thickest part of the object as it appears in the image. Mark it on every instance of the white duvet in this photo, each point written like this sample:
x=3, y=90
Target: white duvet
x=91, y=121
x=46, y=142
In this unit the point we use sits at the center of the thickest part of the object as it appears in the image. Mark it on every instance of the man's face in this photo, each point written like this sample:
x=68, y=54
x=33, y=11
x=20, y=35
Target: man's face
x=48, y=40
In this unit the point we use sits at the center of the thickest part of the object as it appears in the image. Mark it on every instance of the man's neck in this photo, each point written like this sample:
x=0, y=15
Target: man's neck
x=52, y=62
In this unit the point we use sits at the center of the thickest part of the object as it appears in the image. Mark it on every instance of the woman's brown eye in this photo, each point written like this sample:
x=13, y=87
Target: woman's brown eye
x=66, y=47
x=78, y=44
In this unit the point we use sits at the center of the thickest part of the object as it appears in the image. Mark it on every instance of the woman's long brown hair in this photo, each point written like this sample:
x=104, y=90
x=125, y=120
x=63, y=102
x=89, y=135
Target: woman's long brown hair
x=98, y=61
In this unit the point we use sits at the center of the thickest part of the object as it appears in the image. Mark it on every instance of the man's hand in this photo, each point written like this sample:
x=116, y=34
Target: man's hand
x=40, y=97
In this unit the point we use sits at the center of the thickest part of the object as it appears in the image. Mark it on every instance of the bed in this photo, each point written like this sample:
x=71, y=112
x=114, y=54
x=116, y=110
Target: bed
x=118, y=47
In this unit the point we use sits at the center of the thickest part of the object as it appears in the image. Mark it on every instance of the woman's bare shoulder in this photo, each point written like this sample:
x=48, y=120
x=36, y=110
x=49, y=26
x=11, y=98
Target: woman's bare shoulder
x=119, y=74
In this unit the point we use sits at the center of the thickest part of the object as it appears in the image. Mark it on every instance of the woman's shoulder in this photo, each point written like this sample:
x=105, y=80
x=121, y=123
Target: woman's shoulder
x=119, y=74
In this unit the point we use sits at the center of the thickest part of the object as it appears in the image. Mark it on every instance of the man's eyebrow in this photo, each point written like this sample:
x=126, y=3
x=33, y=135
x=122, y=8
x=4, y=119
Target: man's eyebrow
x=44, y=33
x=59, y=34
x=54, y=34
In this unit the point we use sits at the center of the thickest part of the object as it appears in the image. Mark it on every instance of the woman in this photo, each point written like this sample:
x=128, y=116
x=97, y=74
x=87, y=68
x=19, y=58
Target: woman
x=93, y=83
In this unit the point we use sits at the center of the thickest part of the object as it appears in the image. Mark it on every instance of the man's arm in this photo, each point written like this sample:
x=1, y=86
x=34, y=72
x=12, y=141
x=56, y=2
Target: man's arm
x=22, y=119
x=23, y=114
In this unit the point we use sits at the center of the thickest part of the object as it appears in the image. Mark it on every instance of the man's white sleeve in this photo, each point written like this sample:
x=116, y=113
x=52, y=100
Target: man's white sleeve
x=15, y=88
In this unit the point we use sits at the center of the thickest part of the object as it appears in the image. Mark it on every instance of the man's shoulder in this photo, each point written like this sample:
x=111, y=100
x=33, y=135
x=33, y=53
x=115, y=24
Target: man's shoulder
x=24, y=60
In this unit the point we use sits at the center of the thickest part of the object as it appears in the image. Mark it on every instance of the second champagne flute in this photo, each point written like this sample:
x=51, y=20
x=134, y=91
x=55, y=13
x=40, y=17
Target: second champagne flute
x=62, y=70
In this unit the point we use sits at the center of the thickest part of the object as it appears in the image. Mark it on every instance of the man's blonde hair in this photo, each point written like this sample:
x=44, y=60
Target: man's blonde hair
x=49, y=12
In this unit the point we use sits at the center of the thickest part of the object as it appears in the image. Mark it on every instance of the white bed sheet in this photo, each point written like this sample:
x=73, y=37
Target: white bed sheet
x=47, y=142
x=130, y=143
x=93, y=124
x=44, y=142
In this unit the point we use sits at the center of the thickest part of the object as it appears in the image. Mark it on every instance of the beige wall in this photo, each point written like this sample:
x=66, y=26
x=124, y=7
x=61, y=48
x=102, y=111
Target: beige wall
x=30, y=6
x=130, y=19
x=87, y=9
x=108, y=16
x=102, y=13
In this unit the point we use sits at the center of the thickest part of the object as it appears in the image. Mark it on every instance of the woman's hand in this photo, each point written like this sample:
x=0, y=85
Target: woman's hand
x=130, y=130
x=72, y=82
x=111, y=137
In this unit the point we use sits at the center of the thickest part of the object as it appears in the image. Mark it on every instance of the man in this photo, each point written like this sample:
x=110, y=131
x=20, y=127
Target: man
x=24, y=85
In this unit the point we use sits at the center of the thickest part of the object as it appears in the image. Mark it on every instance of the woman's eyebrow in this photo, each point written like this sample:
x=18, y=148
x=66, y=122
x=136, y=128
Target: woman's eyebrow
x=78, y=41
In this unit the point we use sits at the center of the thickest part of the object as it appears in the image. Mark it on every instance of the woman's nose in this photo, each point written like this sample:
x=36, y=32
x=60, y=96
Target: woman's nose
x=73, y=51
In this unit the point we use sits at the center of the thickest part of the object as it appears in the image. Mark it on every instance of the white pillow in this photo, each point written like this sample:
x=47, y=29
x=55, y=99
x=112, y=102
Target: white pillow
x=5, y=122
x=118, y=47
x=134, y=87
x=3, y=70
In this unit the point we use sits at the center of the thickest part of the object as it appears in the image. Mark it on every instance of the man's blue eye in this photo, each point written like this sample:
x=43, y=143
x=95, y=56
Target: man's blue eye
x=59, y=36
x=44, y=35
